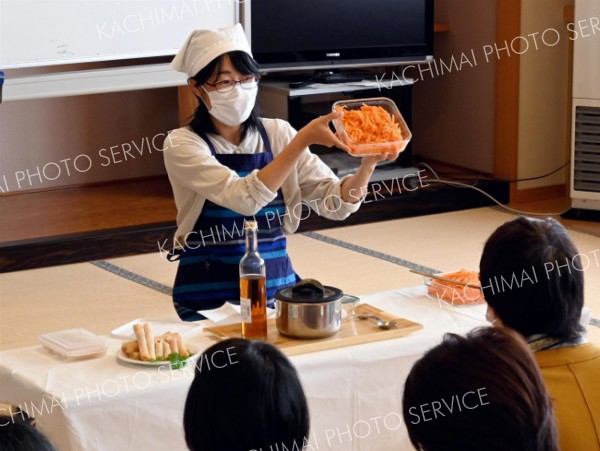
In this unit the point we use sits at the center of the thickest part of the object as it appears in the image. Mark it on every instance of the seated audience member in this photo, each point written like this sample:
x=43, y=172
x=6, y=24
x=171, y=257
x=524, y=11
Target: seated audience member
x=245, y=396
x=532, y=279
x=479, y=392
x=17, y=434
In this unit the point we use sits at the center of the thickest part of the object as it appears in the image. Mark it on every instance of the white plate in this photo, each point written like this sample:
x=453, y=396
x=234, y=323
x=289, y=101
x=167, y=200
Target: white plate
x=123, y=358
x=159, y=327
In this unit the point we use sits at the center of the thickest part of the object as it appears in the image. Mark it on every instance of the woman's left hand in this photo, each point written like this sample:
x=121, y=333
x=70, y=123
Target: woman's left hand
x=359, y=181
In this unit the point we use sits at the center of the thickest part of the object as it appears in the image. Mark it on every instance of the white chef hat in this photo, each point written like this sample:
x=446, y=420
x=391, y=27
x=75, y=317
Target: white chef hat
x=203, y=46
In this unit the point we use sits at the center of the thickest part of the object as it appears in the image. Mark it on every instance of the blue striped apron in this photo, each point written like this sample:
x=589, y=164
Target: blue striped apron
x=208, y=271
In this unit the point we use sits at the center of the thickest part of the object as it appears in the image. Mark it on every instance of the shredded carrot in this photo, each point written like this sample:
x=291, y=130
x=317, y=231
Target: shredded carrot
x=370, y=124
x=457, y=294
x=462, y=276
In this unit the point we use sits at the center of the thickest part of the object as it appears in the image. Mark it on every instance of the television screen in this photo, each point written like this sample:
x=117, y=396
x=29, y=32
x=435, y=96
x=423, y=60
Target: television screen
x=312, y=34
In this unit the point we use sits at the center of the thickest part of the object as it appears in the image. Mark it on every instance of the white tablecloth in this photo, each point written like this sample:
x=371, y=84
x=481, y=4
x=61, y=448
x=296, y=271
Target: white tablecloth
x=354, y=393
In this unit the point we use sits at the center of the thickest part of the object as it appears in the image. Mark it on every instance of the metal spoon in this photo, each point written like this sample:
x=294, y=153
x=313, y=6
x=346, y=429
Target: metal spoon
x=378, y=321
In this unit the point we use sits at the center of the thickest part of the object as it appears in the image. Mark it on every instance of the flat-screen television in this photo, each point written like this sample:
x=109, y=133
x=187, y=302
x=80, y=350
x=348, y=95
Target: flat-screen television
x=331, y=34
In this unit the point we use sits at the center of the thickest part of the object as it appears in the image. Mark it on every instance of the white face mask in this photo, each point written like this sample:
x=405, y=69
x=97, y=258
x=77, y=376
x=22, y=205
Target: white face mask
x=232, y=107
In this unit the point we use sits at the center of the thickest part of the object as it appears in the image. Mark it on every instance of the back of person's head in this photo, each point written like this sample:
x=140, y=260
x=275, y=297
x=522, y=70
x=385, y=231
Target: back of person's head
x=479, y=392
x=246, y=395
x=532, y=276
x=21, y=436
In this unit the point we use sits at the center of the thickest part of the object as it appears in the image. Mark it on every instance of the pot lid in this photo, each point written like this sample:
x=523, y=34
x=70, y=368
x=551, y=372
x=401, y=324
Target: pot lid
x=309, y=291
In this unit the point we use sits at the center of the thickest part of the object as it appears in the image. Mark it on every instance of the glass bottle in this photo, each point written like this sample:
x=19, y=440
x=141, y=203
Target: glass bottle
x=253, y=287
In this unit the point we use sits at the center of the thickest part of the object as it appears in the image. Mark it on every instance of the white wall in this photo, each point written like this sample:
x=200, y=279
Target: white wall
x=40, y=133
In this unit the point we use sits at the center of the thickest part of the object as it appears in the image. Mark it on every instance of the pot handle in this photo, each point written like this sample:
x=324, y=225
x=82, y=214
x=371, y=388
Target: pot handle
x=309, y=288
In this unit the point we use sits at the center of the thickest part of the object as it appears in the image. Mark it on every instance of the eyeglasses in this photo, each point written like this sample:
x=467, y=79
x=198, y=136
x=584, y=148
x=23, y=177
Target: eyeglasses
x=226, y=85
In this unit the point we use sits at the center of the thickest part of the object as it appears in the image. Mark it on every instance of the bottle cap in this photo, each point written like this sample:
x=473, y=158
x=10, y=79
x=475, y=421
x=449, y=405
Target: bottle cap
x=250, y=225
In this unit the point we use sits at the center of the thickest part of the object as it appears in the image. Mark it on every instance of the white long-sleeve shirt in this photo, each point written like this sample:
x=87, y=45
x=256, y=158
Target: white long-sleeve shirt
x=197, y=176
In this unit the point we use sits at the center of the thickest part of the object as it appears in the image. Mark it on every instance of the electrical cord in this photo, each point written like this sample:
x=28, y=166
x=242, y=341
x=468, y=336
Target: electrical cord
x=464, y=185
x=539, y=176
x=451, y=174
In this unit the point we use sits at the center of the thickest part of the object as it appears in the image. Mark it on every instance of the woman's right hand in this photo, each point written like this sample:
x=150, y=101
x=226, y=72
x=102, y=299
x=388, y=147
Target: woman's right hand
x=317, y=131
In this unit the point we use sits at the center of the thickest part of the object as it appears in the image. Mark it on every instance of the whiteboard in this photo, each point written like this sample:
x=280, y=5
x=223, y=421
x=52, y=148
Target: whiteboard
x=53, y=32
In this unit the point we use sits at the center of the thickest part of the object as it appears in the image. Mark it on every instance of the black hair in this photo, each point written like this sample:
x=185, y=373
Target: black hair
x=21, y=436
x=245, y=65
x=532, y=276
x=245, y=396
x=505, y=405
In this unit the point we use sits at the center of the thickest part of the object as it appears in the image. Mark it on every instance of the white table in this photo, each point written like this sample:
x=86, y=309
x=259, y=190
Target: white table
x=354, y=393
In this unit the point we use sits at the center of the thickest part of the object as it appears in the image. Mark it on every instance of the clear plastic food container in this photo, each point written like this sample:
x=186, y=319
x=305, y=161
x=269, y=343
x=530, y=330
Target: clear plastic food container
x=460, y=293
x=74, y=344
x=372, y=148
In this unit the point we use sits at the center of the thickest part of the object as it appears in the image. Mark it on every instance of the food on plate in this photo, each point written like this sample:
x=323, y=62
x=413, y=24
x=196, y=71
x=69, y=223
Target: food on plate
x=149, y=341
x=140, y=335
x=370, y=124
x=464, y=292
x=150, y=348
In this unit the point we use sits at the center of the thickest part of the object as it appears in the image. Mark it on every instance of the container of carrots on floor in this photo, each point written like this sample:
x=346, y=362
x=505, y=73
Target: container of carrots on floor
x=371, y=126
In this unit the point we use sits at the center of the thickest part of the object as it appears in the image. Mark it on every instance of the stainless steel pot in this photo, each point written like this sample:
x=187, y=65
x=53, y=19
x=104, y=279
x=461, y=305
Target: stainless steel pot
x=308, y=310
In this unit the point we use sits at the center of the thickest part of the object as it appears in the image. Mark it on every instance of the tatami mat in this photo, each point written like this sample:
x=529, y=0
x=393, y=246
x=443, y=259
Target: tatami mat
x=37, y=301
x=350, y=271
x=332, y=265
x=152, y=266
x=358, y=259
x=451, y=241
x=444, y=241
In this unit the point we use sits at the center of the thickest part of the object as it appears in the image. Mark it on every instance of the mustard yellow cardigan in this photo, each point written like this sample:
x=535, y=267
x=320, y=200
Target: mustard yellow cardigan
x=572, y=377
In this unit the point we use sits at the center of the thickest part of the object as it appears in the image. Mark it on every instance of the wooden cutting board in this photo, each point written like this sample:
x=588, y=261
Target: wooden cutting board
x=353, y=331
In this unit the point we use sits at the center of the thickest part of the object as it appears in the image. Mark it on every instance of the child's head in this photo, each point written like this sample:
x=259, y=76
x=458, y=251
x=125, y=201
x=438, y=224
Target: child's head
x=245, y=395
x=17, y=432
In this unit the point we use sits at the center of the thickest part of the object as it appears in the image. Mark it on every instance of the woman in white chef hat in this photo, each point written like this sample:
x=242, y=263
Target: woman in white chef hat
x=228, y=164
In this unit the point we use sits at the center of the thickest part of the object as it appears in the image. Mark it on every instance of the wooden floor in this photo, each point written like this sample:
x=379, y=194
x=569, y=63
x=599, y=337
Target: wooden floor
x=81, y=224
x=110, y=220
x=75, y=210
x=557, y=206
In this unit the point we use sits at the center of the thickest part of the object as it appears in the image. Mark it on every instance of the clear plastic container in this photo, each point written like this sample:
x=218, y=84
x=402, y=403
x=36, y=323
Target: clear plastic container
x=74, y=344
x=377, y=147
x=456, y=294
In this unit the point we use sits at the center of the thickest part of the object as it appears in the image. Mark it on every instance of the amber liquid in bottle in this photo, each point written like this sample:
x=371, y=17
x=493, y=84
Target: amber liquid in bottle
x=253, y=288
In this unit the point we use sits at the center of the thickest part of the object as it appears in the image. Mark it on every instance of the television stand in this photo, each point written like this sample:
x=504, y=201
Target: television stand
x=299, y=106
x=331, y=77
